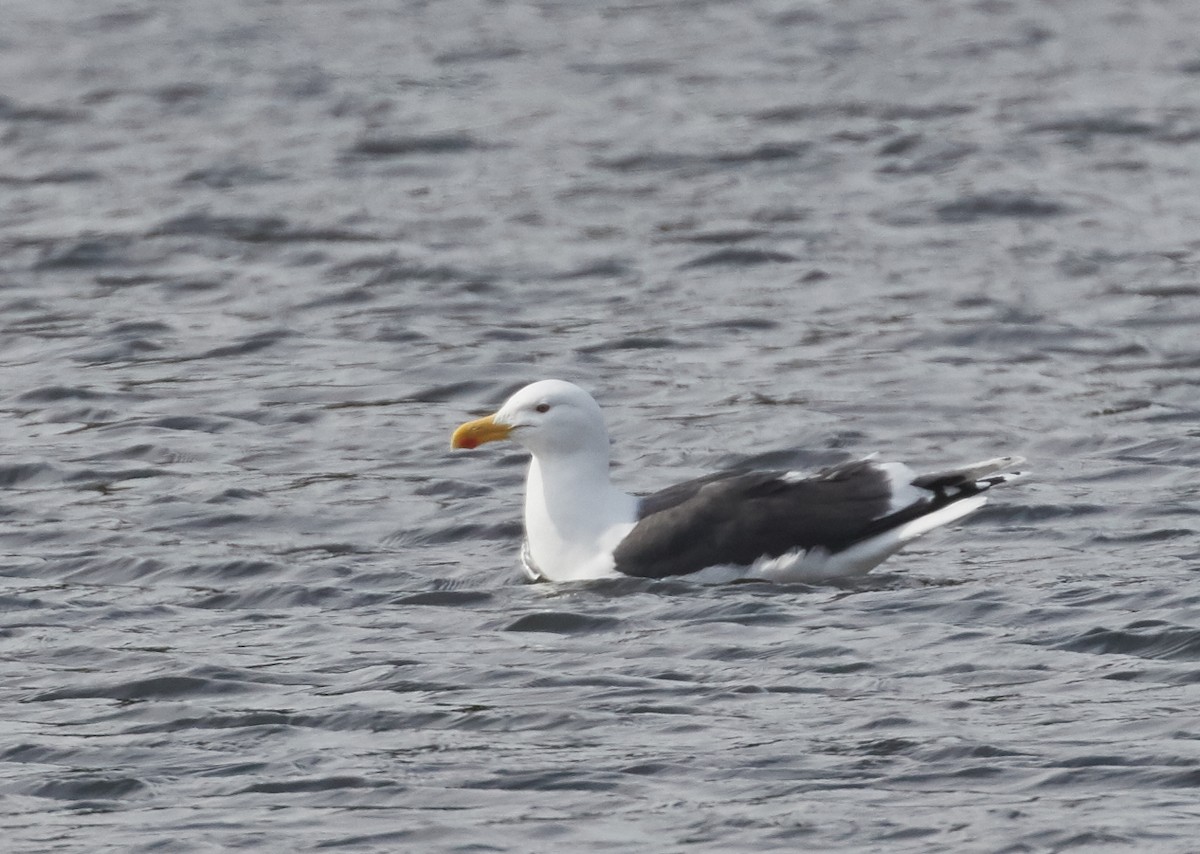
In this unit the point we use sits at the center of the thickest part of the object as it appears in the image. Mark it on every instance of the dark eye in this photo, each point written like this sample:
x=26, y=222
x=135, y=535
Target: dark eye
x=542, y=407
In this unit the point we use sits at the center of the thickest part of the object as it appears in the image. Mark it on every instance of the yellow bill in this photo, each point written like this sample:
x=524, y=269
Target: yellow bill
x=475, y=433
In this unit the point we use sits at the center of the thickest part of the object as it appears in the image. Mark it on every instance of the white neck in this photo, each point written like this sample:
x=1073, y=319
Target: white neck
x=574, y=516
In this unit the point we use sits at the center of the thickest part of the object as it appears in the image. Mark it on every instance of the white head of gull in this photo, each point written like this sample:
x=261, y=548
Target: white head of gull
x=772, y=525
x=574, y=516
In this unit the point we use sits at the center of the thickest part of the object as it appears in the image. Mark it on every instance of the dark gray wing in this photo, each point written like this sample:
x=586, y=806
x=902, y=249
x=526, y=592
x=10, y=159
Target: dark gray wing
x=664, y=499
x=738, y=517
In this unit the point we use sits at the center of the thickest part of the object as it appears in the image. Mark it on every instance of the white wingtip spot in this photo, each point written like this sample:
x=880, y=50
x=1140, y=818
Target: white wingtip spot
x=900, y=484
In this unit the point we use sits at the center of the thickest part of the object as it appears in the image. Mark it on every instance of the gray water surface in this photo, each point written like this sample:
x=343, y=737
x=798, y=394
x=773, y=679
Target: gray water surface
x=258, y=259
